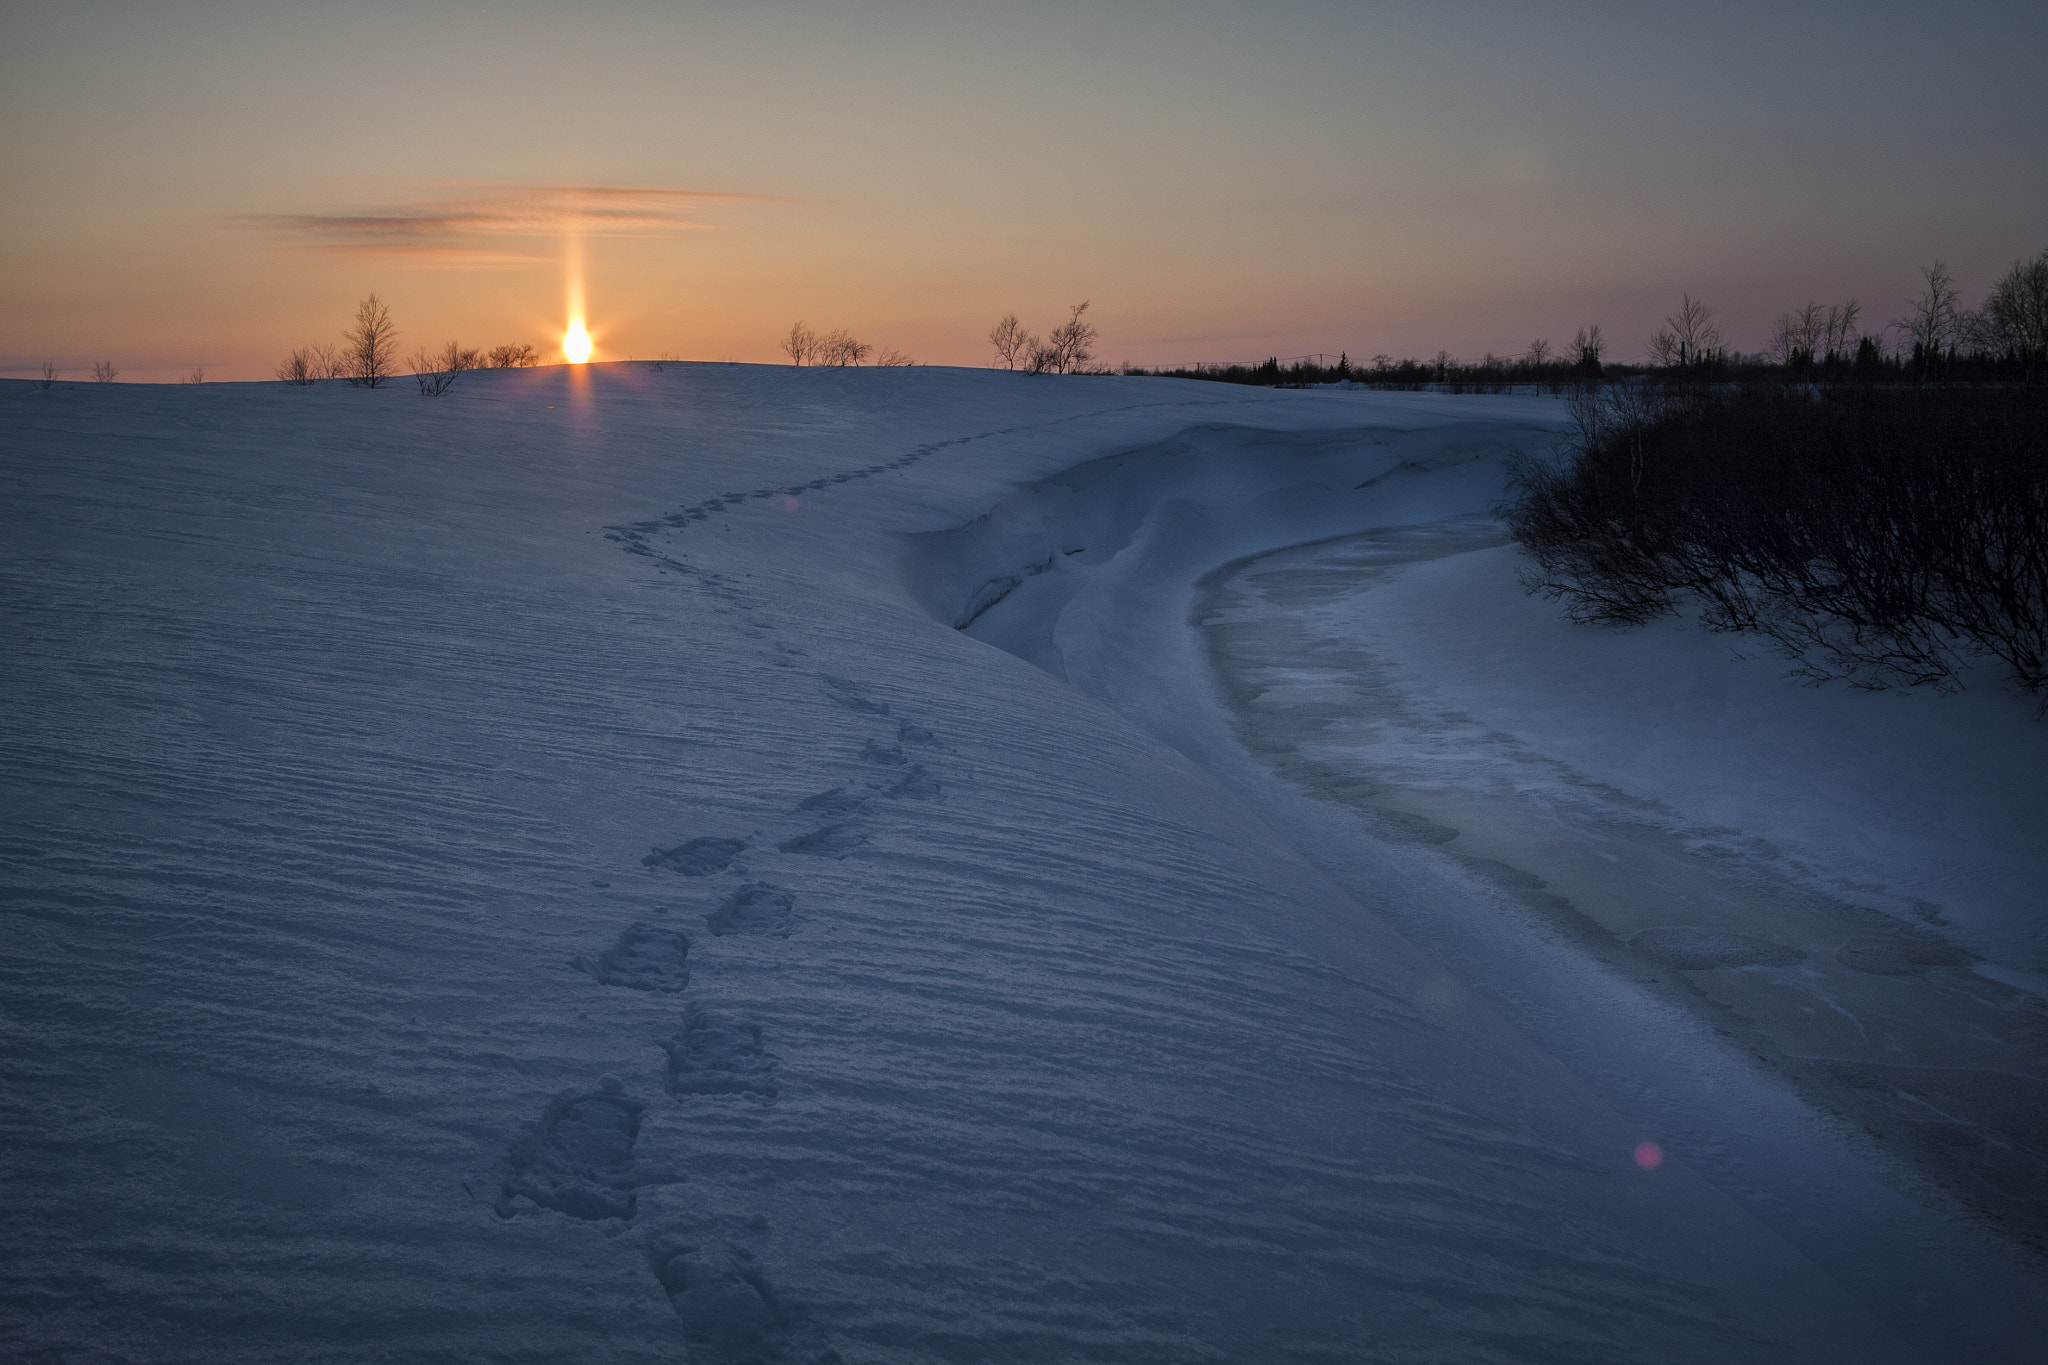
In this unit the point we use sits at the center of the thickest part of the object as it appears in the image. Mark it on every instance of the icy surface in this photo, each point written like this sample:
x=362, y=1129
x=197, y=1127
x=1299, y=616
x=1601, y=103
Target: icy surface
x=540, y=875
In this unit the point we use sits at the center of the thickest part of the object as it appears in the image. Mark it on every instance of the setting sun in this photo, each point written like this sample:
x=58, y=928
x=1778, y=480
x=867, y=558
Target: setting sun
x=576, y=343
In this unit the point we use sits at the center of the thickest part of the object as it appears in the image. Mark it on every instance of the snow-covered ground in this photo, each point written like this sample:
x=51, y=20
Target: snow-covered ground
x=560, y=872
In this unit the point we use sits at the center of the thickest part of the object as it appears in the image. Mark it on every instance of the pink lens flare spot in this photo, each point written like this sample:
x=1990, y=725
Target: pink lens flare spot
x=1649, y=1155
x=783, y=503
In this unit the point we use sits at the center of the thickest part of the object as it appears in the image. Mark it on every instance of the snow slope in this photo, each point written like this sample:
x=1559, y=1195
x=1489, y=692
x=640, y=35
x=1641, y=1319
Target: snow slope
x=539, y=875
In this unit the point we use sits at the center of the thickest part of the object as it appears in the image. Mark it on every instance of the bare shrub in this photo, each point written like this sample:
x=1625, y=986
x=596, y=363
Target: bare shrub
x=435, y=371
x=198, y=375
x=513, y=357
x=298, y=367
x=370, y=347
x=1013, y=344
x=1065, y=348
x=103, y=372
x=1877, y=535
x=840, y=348
x=1539, y=352
x=892, y=358
x=48, y=378
x=800, y=345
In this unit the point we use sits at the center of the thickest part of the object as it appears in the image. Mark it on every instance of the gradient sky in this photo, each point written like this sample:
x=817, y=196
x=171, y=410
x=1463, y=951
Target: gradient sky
x=212, y=183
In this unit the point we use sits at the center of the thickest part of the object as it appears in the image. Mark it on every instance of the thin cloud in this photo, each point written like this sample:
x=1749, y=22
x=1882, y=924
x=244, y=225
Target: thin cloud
x=462, y=230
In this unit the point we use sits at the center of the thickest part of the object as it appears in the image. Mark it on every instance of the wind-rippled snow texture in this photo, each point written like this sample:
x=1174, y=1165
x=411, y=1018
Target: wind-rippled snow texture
x=347, y=1014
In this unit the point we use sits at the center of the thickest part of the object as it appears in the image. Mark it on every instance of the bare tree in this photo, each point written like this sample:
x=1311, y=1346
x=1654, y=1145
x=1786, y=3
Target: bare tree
x=1689, y=336
x=1588, y=346
x=1839, y=334
x=370, y=347
x=435, y=371
x=1933, y=324
x=1539, y=352
x=326, y=361
x=1013, y=344
x=2014, y=320
x=103, y=372
x=840, y=348
x=49, y=375
x=892, y=358
x=1072, y=339
x=801, y=343
x=198, y=375
x=299, y=367
x=513, y=357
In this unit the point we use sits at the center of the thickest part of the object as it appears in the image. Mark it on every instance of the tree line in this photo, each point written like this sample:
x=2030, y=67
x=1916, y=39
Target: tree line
x=367, y=356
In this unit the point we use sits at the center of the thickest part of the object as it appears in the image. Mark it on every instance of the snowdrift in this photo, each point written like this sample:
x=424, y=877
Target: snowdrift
x=724, y=863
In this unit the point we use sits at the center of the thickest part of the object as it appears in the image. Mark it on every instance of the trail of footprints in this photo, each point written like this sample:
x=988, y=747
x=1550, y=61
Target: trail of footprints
x=636, y=537
x=578, y=1158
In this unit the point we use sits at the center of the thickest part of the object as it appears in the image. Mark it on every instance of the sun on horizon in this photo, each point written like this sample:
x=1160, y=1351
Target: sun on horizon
x=576, y=342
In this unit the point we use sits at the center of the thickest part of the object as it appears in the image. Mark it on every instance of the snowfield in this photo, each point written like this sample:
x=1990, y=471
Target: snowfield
x=722, y=863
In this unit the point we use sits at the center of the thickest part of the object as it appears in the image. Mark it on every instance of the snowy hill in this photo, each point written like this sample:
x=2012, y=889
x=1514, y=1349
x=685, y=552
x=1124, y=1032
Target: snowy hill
x=726, y=863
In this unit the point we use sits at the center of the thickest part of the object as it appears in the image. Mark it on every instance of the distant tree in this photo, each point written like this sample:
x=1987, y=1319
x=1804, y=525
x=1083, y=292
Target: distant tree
x=1013, y=344
x=103, y=372
x=513, y=357
x=299, y=367
x=2014, y=320
x=370, y=347
x=1934, y=323
x=1689, y=336
x=1839, y=334
x=1539, y=352
x=800, y=345
x=1442, y=365
x=840, y=348
x=435, y=371
x=198, y=375
x=892, y=358
x=1587, y=348
x=1072, y=339
x=49, y=375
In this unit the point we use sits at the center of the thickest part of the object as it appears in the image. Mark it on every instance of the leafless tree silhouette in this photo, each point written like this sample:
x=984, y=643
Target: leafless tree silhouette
x=892, y=358
x=1065, y=349
x=2014, y=319
x=513, y=357
x=103, y=372
x=49, y=375
x=840, y=348
x=1688, y=336
x=371, y=345
x=1013, y=344
x=1588, y=346
x=1539, y=352
x=1934, y=324
x=435, y=371
x=801, y=343
x=198, y=375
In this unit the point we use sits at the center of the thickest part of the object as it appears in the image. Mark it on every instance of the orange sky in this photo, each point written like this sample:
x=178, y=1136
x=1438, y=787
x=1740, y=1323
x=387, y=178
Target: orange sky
x=213, y=183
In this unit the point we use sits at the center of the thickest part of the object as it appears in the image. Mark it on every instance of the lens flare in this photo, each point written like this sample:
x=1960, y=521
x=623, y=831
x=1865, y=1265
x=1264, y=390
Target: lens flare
x=576, y=342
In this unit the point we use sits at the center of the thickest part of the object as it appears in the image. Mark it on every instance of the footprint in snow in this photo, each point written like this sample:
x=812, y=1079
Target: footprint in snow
x=852, y=695
x=730, y=1311
x=836, y=801
x=756, y=908
x=718, y=1054
x=578, y=1159
x=645, y=957
x=698, y=857
x=831, y=841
